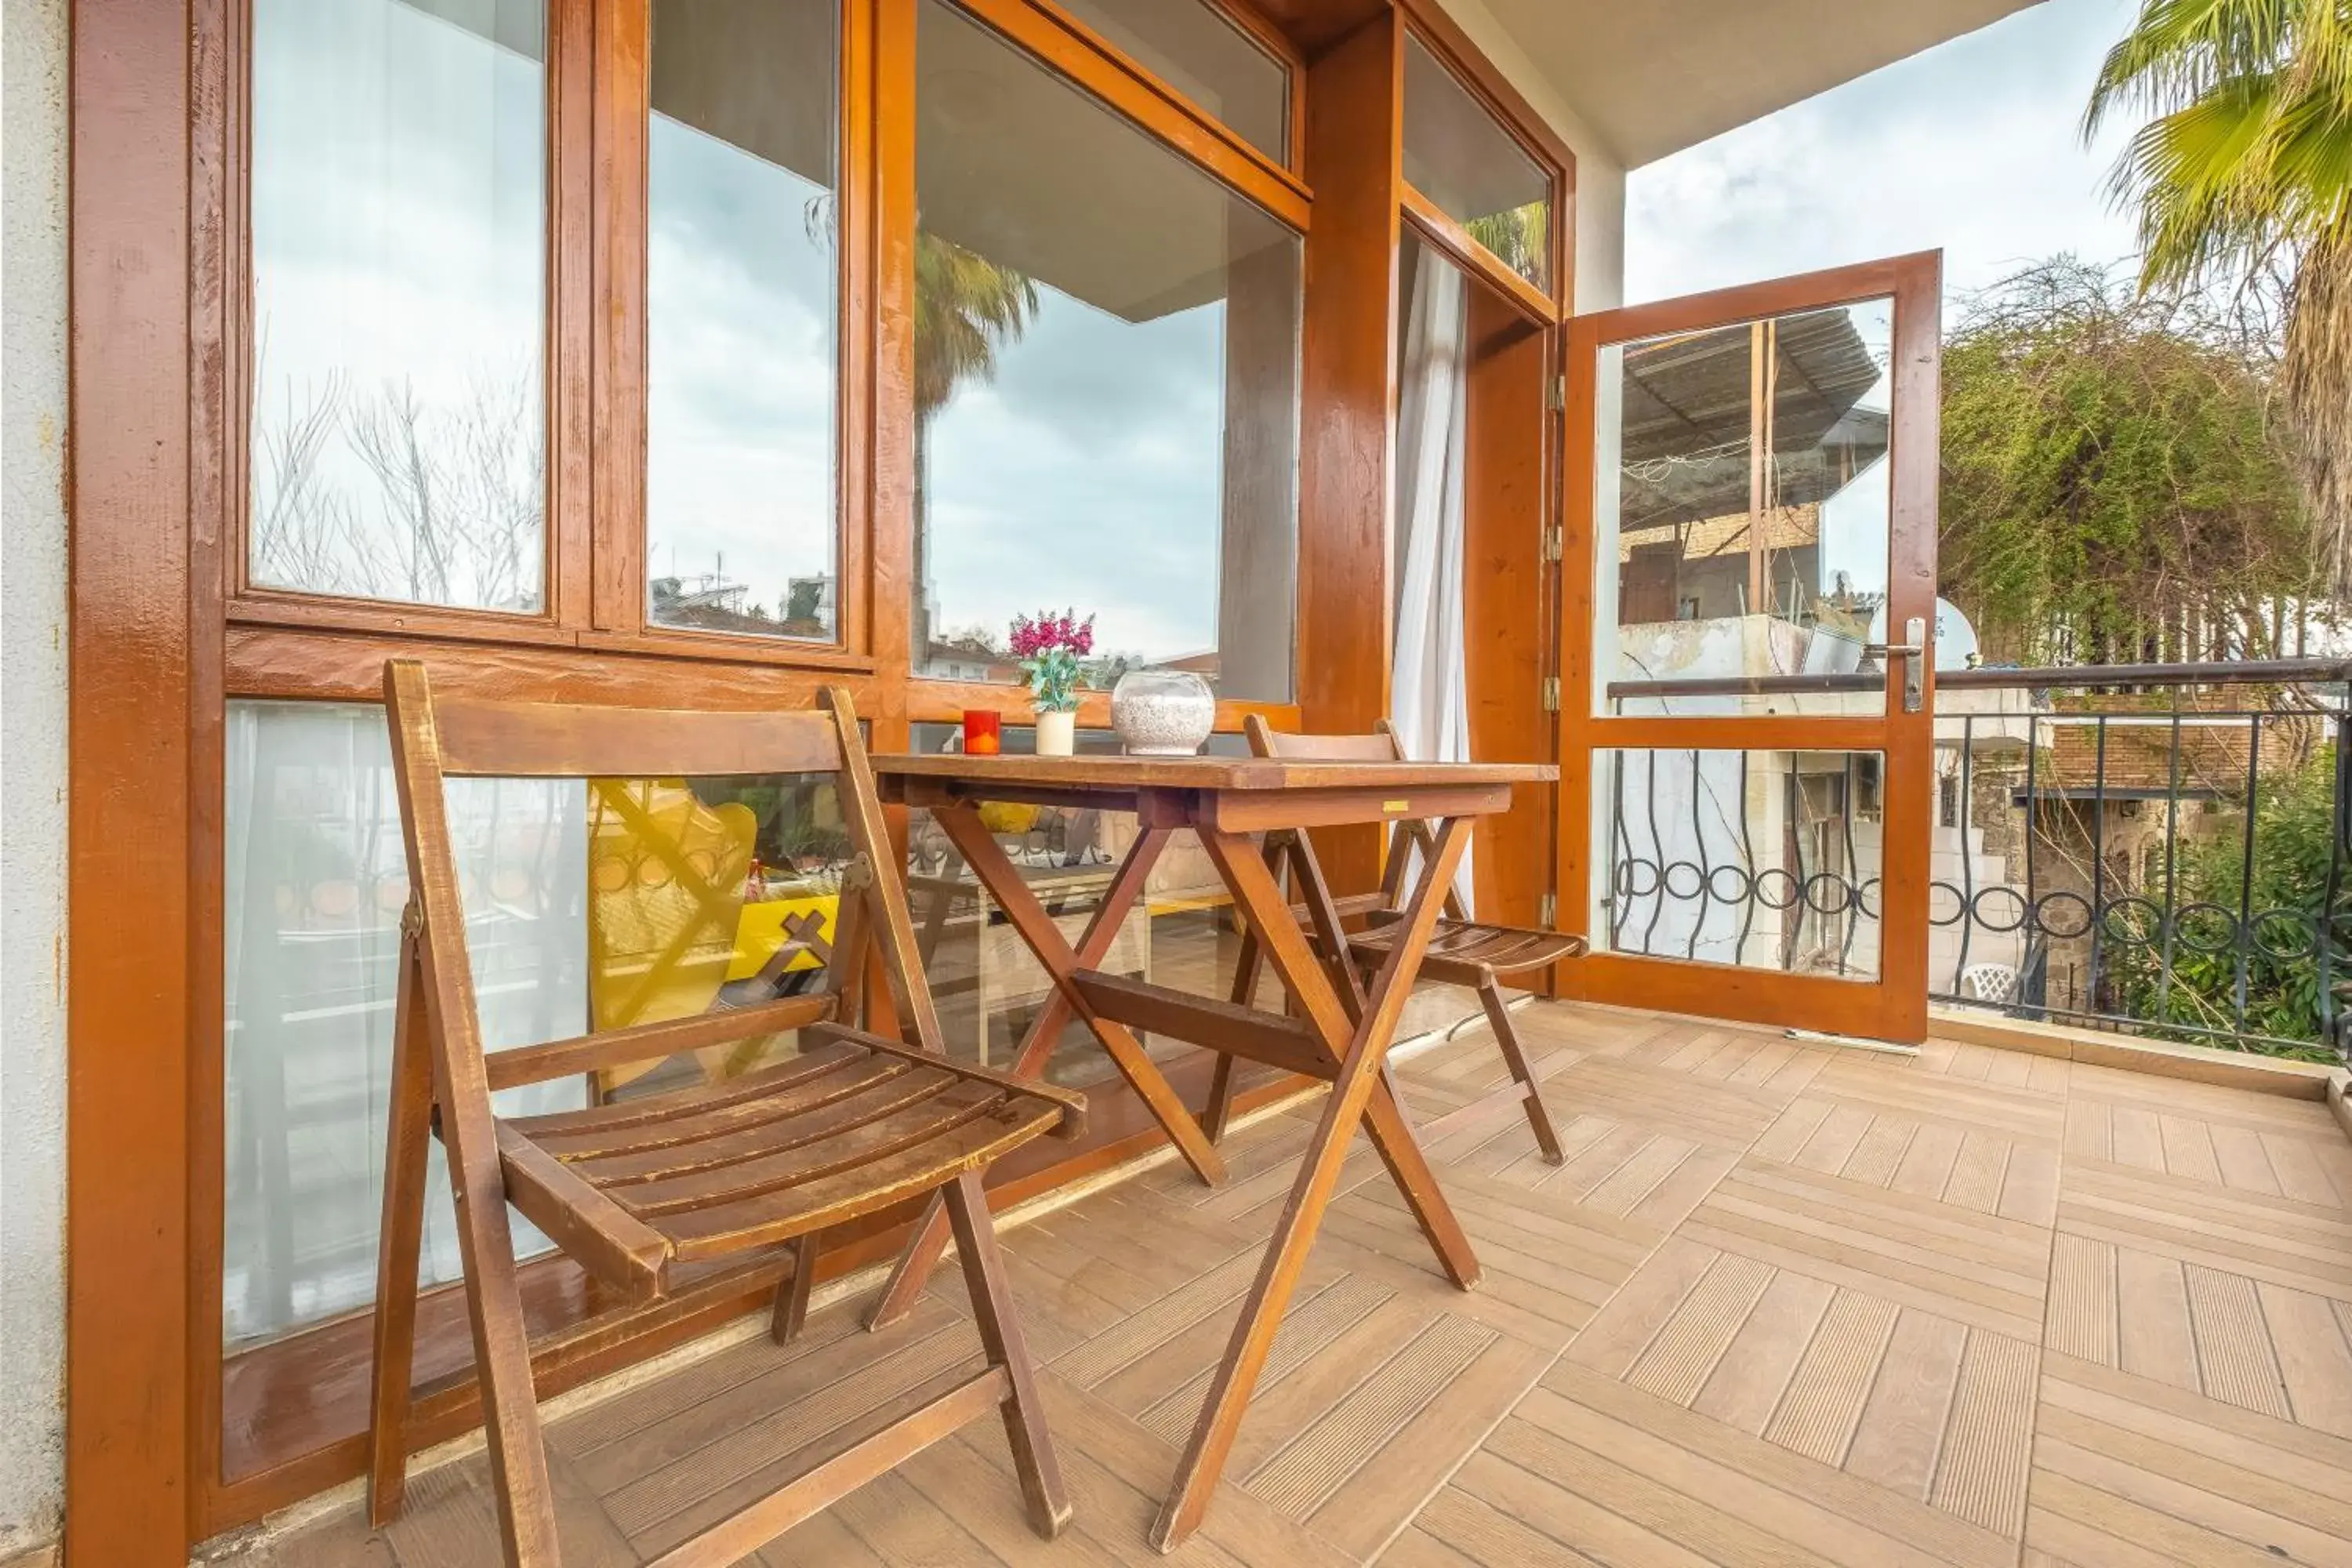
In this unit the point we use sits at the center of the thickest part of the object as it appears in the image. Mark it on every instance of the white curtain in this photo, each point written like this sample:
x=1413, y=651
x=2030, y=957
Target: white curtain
x=316, y=878
x=1428, y=679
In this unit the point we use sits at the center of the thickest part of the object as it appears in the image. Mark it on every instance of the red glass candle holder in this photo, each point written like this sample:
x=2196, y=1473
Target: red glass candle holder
x=984, y=732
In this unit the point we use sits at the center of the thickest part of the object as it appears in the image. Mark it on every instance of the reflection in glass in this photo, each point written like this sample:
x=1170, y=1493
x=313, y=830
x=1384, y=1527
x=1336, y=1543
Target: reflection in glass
x=1764, y=859
x=704, y=895
x=398, y=419
x=1196, y=49
x=741, y=280
x=1462, y=160
x=1106, y=381
x=1744, y=487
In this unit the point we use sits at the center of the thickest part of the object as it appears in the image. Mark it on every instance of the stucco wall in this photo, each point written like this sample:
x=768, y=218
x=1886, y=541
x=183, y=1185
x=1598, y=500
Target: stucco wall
x=33, y=57
x=1600, y=176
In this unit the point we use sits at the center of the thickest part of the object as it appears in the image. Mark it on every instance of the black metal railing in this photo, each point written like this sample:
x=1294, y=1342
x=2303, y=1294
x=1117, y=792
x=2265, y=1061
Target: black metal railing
x=2160, y=849
x=1704, y=868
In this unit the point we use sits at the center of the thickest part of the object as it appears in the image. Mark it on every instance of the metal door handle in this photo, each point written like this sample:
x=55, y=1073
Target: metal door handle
x=1914, y=655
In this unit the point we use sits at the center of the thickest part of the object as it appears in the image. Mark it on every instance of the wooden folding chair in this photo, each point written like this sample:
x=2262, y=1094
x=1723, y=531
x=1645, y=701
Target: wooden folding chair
x=853, y=1123
x=1461, y=952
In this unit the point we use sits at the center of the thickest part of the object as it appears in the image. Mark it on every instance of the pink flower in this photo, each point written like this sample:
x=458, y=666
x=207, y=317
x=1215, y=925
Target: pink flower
x=1048, y=632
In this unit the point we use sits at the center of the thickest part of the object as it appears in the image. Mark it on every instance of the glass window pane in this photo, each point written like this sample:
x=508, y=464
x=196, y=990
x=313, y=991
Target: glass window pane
x=742, y=281
x=1107, y=376
x=590, y=904
x=1194, y=49
x=399, y=417
x=1745, y=539
x=703, y=895
x=1473, y=170
x=315, y=878
x=1764, y=859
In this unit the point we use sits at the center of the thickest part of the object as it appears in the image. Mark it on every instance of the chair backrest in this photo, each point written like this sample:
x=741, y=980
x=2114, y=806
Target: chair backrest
x=1988, y=982
x=436, y=737
x=1380, y=746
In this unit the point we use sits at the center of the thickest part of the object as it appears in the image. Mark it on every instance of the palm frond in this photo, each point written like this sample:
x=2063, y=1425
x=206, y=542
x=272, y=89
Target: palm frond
x=2246, y=158
x=2179, y=50
x=966, y=307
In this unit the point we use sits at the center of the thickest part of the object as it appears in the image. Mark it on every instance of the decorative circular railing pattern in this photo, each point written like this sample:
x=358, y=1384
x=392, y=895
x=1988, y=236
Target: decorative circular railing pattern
x=1687, y=880
x=2087, y=909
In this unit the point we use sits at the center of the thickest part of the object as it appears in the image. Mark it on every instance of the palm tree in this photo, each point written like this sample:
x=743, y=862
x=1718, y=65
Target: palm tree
x=2246, y=165
x=966, y=307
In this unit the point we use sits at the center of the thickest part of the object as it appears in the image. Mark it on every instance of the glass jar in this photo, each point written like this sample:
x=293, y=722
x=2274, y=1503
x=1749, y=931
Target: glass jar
x=1162, y=712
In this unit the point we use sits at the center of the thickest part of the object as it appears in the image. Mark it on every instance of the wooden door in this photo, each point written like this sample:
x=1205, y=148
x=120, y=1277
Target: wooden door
x=1747, y=610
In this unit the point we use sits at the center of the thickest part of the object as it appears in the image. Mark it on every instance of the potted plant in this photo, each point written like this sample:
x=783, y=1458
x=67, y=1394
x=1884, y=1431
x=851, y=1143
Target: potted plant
x=1049, y=646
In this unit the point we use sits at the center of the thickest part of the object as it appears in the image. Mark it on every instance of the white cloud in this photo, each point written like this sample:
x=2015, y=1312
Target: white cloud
x=1972, y=147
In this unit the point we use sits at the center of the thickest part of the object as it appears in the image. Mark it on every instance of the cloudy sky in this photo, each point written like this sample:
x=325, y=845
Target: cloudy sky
x=1973, y=146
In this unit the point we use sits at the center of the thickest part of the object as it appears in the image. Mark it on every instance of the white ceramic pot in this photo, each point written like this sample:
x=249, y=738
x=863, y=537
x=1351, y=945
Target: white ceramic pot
x=1057, y=734
x=1162, y=712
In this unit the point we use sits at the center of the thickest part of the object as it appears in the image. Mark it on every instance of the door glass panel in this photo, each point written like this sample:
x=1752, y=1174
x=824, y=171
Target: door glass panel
x=741, y=281
x=398, y=201
x=1476, y=172
x=1763, y=859
x=1191, y=47
x=1106, y=383
x=1742, y=515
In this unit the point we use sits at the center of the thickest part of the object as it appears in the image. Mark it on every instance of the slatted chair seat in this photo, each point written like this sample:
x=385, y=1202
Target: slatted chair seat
x=854, y=1123
x=1461, y=952
x=847, y=1129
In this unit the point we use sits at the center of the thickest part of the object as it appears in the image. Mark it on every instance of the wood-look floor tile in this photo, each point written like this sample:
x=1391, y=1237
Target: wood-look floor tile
x=1780, y=1305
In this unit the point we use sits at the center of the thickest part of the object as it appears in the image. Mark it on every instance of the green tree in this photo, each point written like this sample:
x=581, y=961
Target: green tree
x=1519, y=236
x=2245, y=167
x=2114, y=489
x=2287, y=893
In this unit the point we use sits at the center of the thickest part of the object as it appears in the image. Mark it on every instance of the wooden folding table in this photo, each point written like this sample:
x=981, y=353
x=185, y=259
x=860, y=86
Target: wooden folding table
x=1337, y=1032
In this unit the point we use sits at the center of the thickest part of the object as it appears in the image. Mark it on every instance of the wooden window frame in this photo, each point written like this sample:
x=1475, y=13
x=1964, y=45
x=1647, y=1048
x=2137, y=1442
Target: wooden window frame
x=1511, y=114
x=1269, y=40
x=165, y=631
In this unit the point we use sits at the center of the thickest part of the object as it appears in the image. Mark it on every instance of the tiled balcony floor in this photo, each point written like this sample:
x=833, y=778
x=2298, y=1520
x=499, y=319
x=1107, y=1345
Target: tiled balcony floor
x=1782, y=1305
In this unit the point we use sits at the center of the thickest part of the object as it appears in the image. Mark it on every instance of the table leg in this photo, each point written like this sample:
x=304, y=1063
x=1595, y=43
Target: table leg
x=1330, y=936
x=1246, y=966
x=1361, y=1052
x=1020, y=906
x=929, y=1237
x=1301, y=972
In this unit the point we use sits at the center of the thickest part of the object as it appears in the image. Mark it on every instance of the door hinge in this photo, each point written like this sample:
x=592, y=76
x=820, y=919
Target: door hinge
x=1547, y=911
x=1551, y=694
x=1555, y=544
x=1556, y=394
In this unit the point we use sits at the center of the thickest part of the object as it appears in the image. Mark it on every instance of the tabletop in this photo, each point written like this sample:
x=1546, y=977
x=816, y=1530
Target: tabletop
x=1209, y=774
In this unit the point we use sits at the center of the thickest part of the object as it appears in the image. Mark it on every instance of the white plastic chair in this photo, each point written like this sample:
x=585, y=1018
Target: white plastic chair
x=1988, y=983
